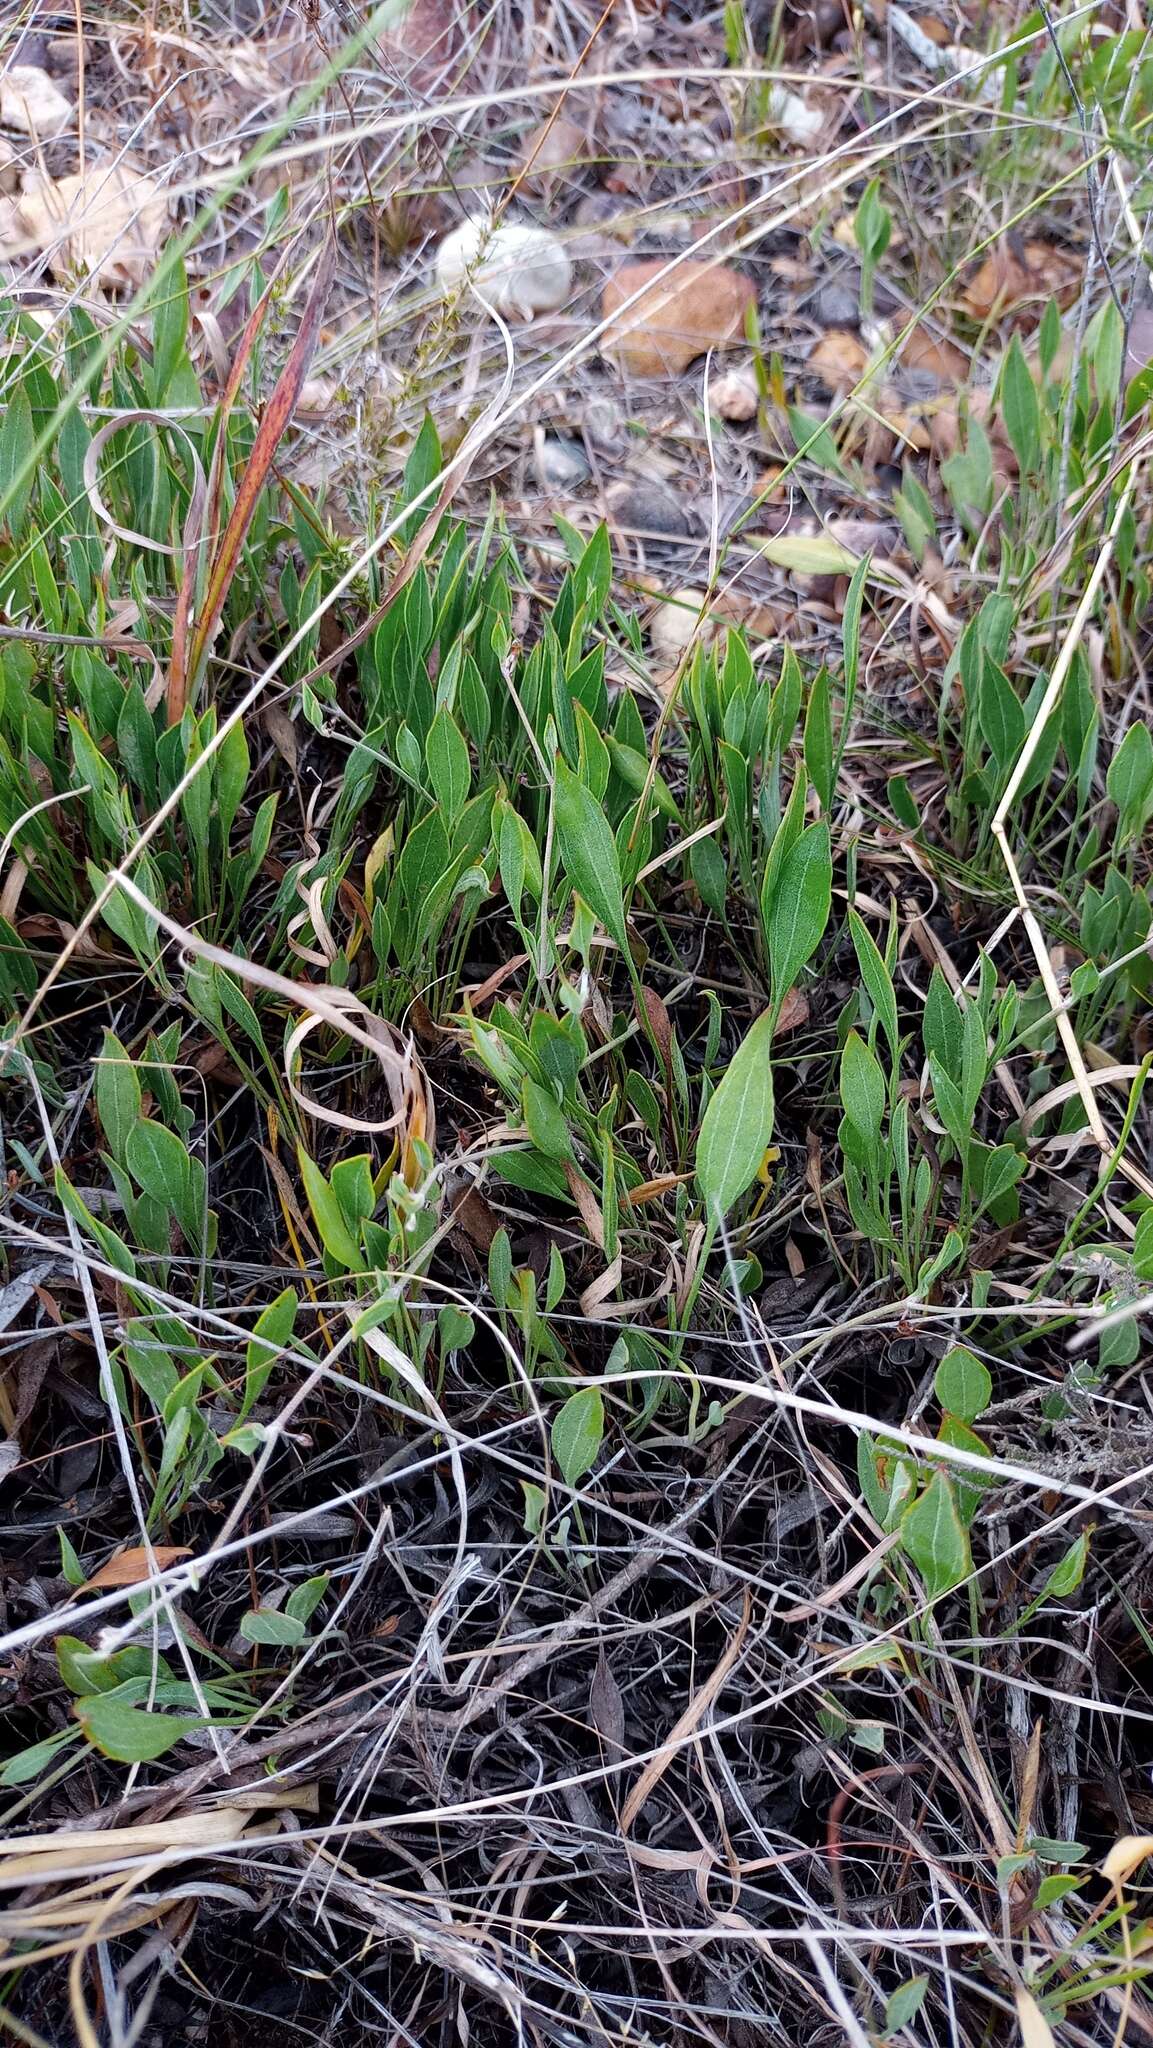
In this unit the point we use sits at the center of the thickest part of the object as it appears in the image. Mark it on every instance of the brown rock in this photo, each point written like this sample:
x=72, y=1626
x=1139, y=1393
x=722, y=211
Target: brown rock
x=839, y=360
x=109, y=220
x=695, y=307
x=734, y=396
x=941, y=360
x=553, y=152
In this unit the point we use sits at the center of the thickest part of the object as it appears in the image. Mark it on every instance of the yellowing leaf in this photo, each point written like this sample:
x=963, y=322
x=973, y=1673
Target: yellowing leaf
x=1035, y=2029
x=1124, y=1857
x=379, y=853
x=810, y=554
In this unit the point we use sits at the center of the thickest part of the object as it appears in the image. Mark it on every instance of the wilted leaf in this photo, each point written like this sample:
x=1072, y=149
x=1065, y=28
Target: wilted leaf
x=133, y=1566
x=1019, y=274
x=809, y=554
x=1035, y=2029
x=1125, y=1856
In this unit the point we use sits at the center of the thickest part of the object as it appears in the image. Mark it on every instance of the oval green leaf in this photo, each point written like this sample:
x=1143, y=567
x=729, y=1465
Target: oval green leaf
x=738, y=1123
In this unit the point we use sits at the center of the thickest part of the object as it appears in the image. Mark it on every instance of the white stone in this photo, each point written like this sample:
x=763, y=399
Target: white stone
x=520, y=271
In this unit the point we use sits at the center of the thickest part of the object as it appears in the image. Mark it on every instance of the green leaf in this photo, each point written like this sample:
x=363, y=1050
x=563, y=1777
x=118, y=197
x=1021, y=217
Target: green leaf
x=577, y=1433
x=863, y=1090
x=967, y=1481
x=1002, y=716
x=941, y=1026
x=1143, y=1248
x=872, y=223
x=545, y=1121
x=963, y=1385
x=1046, y=1850
x=455, y=1328
x=335, y=1234
x=589, y=852
x=304, y=1599
x=29, y=1763
x=799, y=911
x=128, y=1734
x=535, y=1504
x=117, y=1095
x=83, y=1669
x=169, y=331
x=906, y=2002
x=934, y=1538
x=819, y=740
x=446, y=755
x=738, y=1123
x=115, y=1250
x=1020, y=408
x=17, y=440
x=70, y=1564
x=266, y=1626
x=271, y=1332
x=876, y=978
x=710, y=874
x=1002, y=1169
x=500, y=1267
x=1069, y=1571
x=231, y=773
x=158, y=1162
x=1129, y=782
x=351, y=1183
x=1055, y=1887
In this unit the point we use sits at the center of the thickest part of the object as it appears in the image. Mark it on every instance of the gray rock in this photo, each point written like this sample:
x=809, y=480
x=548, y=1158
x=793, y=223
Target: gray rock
x=561, y=464
x=646, y=509
x=837, y=305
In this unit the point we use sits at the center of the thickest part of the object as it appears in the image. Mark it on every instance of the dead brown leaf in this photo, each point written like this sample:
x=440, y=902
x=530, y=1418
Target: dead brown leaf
x=133, y=1566
x=553, y=150
x=1021, y=277
x=473, y=1215
x=794, y=1012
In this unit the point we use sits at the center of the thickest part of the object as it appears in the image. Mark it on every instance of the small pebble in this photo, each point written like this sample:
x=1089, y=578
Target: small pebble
x=734, y=395
x=836, y=305
x=646, y=508
x=560, y=464
x=674, y=624
x=553, y=152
